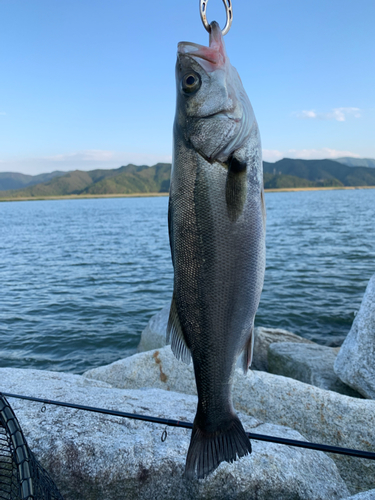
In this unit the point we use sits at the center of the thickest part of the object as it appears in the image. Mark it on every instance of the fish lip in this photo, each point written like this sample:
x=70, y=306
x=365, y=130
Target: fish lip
x=214, y=55
x=196, y=52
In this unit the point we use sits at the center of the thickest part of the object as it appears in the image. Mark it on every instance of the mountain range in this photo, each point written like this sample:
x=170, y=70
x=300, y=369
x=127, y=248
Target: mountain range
x=123, y=180
x=357, y=162
x=130, y=179
x=288, y=173
x=14, y=180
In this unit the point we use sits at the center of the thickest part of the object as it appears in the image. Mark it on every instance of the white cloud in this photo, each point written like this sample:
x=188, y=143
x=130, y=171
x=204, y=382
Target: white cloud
x=81, y=160
x=272, y=155
x=98, y=156
x=306, y=114
x=306, y=154
x=2, y=113
x=338, y=114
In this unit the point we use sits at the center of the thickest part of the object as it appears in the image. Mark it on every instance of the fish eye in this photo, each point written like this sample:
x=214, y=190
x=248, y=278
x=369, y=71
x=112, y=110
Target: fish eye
x=190, y=82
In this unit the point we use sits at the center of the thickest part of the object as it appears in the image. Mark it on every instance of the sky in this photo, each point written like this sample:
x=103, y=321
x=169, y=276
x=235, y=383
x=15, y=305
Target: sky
x=88, y=84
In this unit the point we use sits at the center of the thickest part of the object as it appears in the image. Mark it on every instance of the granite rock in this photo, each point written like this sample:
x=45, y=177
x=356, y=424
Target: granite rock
x=264, y=337
x=319, y=415
x=309, y=363
x=366, y=495
x=355, y=363
x=93, y=456
x=151, y=369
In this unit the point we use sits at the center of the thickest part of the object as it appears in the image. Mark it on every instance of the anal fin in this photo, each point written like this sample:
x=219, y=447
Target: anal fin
x=247, y=355
x=176, y=336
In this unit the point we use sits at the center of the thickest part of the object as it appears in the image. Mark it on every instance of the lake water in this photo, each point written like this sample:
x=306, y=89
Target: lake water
x=79, y=279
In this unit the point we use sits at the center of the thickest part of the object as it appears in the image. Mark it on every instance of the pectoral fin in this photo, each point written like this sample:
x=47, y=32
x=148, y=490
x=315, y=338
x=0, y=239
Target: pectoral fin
x=235, y=188
x=176, y=336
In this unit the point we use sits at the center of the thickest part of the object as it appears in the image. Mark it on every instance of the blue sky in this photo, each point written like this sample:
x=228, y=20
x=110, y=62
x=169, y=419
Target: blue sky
x=90, y=83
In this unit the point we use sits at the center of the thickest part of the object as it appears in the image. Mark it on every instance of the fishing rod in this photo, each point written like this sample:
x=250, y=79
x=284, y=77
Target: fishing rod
x=188, y=425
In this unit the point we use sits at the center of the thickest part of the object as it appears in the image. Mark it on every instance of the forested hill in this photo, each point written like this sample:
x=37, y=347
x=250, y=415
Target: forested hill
x=315, y=173
x=123, y=180
x=357, y=162
x=14, y=180
x=286, y=173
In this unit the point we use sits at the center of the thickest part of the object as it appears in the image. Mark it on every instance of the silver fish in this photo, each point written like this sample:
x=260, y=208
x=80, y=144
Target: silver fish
x=217, y=236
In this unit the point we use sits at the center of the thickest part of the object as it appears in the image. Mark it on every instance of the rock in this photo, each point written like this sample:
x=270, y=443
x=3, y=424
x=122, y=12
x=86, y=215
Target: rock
x=309, y=363
x=154, y=335
x=366, y=495
x=264, y=337
x=93, y=456
x=319, y=415
x=355, y=363
x=152, y=369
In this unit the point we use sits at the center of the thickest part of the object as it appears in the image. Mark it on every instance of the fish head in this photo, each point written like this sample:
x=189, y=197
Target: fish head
x=213, y=111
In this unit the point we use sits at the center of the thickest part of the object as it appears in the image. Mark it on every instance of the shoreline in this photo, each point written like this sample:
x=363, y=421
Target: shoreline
x=330, y=188
x=150, y=195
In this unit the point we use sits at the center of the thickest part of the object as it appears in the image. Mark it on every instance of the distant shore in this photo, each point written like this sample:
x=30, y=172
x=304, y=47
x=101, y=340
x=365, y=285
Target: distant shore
x=316, y=188
x=85, y=196
x=148, y=195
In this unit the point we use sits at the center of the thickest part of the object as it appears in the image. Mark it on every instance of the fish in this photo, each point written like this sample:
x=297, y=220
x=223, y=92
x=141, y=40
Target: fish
x=217, y=225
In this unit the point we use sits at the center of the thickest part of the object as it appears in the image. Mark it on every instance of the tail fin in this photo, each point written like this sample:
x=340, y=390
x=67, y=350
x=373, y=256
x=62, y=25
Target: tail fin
x=208, y=450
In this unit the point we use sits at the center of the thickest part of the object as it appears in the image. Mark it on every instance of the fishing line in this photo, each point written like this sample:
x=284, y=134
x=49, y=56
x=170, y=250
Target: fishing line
x=188, y=425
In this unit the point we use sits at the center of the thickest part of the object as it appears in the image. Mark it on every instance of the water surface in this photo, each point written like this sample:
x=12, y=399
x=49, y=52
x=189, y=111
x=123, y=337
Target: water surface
x=81, y=278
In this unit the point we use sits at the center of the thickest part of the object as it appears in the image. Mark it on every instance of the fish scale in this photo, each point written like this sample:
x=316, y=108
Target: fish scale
x=217, y=236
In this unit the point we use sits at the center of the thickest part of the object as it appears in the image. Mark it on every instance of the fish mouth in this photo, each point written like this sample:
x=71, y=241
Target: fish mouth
x=213, y=56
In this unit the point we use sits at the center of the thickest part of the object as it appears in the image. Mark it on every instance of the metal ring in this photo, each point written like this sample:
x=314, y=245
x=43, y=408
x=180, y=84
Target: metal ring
x=164, y=435
x=228, y=10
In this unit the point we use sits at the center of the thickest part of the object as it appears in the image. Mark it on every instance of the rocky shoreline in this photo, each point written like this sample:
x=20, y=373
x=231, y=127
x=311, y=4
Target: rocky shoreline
x=295, y=389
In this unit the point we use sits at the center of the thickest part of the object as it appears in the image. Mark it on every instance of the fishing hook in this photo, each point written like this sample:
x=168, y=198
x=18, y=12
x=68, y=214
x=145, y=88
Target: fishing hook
x=228, y=10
